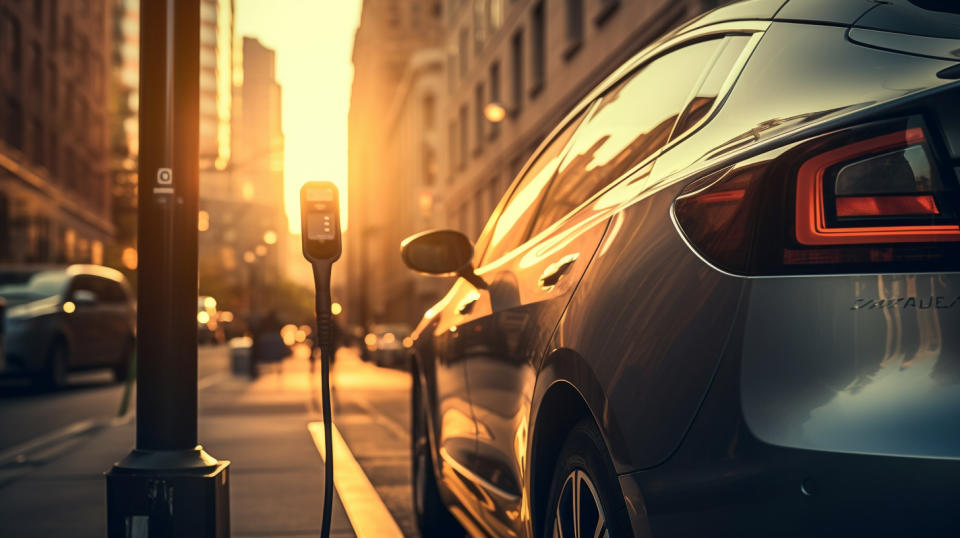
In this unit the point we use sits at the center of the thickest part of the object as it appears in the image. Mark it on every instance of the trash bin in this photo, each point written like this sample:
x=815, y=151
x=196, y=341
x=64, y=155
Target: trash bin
x=241, y=353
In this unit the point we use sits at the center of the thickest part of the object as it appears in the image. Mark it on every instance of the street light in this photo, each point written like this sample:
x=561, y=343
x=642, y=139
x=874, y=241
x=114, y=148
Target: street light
x=270, y=237
x=494, y=112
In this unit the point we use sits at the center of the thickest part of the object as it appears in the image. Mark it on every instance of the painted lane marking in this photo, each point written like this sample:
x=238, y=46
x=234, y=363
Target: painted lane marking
x=365, y=509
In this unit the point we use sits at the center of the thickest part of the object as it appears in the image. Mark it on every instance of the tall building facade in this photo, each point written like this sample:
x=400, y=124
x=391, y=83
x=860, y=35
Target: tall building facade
x=55, y=200
x=242, y=222
x=395, y=106
x=123, y=107
x=534, y=58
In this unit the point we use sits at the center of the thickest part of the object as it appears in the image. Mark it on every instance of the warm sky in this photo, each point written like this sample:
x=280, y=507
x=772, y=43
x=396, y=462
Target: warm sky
x=313, y=40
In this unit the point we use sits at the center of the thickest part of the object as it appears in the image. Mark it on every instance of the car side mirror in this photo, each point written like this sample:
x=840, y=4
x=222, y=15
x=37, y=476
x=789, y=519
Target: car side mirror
x=441, y=253
x=84, y=298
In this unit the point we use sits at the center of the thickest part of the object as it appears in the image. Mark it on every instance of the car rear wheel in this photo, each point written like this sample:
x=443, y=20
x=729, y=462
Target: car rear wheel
x=585, y=500
x=433, y=518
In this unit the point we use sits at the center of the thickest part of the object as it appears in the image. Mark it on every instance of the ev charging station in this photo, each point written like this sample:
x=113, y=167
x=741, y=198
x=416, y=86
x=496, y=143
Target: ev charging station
x=320, y=233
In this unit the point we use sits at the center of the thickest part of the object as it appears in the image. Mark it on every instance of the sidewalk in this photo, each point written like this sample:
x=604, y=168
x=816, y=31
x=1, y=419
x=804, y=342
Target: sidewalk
x=276, y=473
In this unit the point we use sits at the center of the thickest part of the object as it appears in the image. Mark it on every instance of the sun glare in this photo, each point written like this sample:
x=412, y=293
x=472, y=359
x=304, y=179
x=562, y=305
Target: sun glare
x=314, y=42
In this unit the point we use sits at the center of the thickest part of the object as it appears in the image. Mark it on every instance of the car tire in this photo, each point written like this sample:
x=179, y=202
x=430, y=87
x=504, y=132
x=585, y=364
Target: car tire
x=58, y=366
x=432, y=516
x=122, y=369
x=583, y=471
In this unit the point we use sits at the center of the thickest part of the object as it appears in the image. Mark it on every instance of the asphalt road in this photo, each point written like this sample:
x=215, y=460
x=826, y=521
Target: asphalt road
x=27, y=413
x=372, y=412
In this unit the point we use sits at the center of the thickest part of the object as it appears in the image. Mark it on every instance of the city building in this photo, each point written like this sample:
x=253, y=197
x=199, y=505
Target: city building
x=123, y=107
x=533, y=60
x=55, y=186
x=394, y=151
x=242, y=223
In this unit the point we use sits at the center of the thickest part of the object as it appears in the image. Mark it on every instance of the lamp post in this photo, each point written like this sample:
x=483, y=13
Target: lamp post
x=168, y=485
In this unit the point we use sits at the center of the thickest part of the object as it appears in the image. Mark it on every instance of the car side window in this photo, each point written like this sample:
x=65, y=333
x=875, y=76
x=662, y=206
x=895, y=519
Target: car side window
x=112, y=292
x=511, y=227
x=631, y=122
x=713, y=83
x=85, y=283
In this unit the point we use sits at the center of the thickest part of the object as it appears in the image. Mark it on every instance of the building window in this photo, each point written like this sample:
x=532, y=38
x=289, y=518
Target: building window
x=16, y=51
x=494, y=15
x=393, y=14
x=495, y=95
x=516, y=56
x=429, y=166
x=463, y=52
x=574, y=28
x=36, y=142
x=465, y=218
x=52, y=84
x=52, y=39
x=463, y=137
x=451, y=72
x=429, y=111
x=479, y=119
x=14, y=122
x=607, y=8
x=53, y=152
x=415, y=15
x=480, y=214
x=539, y=48
x=479, y=25
x=68, y=35
x=36, y=69
x=38, y=13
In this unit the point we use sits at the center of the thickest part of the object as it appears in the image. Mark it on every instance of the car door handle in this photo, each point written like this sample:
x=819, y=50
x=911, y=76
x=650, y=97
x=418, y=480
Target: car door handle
x=467, y=304
x=555, y=271
x=466, y=307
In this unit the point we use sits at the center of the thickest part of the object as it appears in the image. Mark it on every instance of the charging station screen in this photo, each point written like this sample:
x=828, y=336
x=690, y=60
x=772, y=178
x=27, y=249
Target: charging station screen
x=320, y=227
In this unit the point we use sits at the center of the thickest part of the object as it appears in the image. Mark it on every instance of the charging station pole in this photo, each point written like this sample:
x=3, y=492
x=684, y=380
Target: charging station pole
x=168, y=486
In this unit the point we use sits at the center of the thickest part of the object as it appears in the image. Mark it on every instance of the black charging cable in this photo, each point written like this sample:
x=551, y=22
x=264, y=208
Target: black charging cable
x=325, y=338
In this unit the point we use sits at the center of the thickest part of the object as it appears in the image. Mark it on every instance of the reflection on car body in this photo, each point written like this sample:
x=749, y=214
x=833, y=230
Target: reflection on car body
x=693, y=316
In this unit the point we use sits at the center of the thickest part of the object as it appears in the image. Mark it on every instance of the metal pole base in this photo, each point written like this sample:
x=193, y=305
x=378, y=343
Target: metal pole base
x=168, y=493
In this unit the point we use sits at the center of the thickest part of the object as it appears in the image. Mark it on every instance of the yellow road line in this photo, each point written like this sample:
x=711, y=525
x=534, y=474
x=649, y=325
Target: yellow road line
x=365, y=509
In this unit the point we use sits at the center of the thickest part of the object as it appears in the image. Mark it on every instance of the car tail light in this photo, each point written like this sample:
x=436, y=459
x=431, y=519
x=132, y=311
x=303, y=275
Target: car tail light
x=842, y=202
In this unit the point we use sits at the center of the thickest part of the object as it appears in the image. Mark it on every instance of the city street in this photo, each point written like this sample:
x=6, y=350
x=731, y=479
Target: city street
x=56, y=445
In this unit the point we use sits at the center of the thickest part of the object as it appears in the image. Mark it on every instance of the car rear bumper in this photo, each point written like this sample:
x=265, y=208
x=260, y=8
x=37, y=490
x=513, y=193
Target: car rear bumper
x=788, y=492
x=831, y=414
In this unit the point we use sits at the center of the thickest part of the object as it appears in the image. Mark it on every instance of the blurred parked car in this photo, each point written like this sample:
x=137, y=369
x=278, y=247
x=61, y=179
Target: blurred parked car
x=722, y=298
x=384, y=345
x=60, y=320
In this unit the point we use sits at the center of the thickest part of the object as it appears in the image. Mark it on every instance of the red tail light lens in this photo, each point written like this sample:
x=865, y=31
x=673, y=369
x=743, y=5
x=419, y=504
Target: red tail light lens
x=842, y=202
x=870, y=192
x=886, y=206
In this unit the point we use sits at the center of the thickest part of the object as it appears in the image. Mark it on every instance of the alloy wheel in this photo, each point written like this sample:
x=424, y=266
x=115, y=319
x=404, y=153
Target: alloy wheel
x=579, y=512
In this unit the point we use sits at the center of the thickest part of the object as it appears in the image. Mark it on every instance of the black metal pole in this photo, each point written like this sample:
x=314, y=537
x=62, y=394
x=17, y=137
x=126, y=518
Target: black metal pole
x=168, y=486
